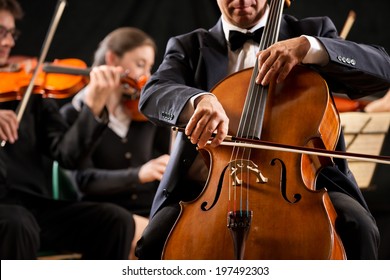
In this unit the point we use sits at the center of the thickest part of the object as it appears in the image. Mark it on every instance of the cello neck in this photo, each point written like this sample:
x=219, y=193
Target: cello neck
x=252, y=116
x=272, y=26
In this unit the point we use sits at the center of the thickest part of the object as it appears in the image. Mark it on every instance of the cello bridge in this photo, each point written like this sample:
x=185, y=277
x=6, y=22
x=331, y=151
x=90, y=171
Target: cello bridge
x=241, y=166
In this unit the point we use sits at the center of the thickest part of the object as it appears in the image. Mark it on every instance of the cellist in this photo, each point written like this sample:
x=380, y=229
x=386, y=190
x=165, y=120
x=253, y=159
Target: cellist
x=178, y=94
x=30, y=219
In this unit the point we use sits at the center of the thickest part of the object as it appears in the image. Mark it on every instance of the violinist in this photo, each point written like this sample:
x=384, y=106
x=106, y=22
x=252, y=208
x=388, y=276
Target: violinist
x=30, y=219
x=131, y=156
x=178, y=94
x=8, y=35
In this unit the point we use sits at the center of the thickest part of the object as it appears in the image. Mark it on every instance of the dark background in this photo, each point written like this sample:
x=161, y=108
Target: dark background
x=84, y=24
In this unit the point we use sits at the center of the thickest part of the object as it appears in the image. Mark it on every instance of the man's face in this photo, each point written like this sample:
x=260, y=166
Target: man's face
x=7, y=23
x=242, y=13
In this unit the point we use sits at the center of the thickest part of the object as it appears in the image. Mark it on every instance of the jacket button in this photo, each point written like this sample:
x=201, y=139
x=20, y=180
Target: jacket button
x=128, y=155
x=165, y=193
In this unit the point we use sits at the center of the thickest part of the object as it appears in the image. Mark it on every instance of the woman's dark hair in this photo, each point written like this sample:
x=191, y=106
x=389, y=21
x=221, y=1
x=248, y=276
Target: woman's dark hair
x=120, y=41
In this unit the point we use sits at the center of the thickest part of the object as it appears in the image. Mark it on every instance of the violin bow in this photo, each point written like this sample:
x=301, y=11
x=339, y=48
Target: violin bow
x=45, y=47
x=348, y=24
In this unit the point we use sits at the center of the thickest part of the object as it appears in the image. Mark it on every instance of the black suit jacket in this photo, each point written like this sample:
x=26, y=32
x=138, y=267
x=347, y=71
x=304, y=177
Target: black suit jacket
x=196, y=61
x=45, y=136
x=110, y=173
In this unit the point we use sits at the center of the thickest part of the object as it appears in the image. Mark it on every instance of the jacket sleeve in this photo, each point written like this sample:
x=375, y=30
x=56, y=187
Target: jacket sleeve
x=365, y=68
x=91, y=180
x=170, y=87
x=101, y=181
x=355, y=69
x=70, y=144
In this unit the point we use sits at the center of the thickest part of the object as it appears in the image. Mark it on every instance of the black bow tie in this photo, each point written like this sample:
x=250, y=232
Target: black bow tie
x=237, y=38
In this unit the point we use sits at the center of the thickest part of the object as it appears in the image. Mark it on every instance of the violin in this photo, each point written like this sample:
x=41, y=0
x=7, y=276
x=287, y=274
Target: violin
x=344, y=104
x=60, y=79
x=130, y=99
x=30, y=86
x=49, y=85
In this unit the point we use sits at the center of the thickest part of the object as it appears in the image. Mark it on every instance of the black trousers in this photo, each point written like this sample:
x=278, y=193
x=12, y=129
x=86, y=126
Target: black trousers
x=355, y=225
x=96, y=230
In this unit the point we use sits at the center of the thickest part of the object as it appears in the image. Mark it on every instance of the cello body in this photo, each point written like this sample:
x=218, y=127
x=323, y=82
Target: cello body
x=264, y=205
x=259, y=203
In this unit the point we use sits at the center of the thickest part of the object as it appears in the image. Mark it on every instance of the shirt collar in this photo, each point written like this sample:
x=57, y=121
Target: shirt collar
x=226, y=26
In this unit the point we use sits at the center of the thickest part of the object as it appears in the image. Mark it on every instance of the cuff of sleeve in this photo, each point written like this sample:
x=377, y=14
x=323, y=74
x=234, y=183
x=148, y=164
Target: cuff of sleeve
x=103, y=117
x=133, y=175
x=316, y=54
x=189, y=108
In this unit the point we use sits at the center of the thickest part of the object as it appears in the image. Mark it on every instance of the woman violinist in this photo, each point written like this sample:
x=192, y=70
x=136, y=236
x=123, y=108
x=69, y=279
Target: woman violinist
x=178, y=94
x=30, y=219
x=131, y=157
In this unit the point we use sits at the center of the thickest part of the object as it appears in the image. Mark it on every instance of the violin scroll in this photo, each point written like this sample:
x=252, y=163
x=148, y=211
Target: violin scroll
x=136, y=84
x=131, y=101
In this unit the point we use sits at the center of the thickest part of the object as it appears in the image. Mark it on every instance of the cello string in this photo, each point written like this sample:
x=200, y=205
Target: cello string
x=253, y=114
x=252, y=117
x=260, y=93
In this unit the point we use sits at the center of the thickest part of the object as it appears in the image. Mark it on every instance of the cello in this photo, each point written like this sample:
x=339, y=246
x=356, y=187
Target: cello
x=258, y=203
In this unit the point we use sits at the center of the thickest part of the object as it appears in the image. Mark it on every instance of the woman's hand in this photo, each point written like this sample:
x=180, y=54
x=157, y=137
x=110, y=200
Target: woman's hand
x=153, y=169
x=105, y=81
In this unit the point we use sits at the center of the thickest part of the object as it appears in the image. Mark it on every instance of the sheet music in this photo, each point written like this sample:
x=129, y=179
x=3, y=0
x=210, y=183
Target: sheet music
x=353, y=122
x=365, y=134
x=370, y=144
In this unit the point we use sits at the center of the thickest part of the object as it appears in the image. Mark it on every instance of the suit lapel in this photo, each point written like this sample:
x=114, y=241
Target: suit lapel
x=214, y=51
x=284, y=28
